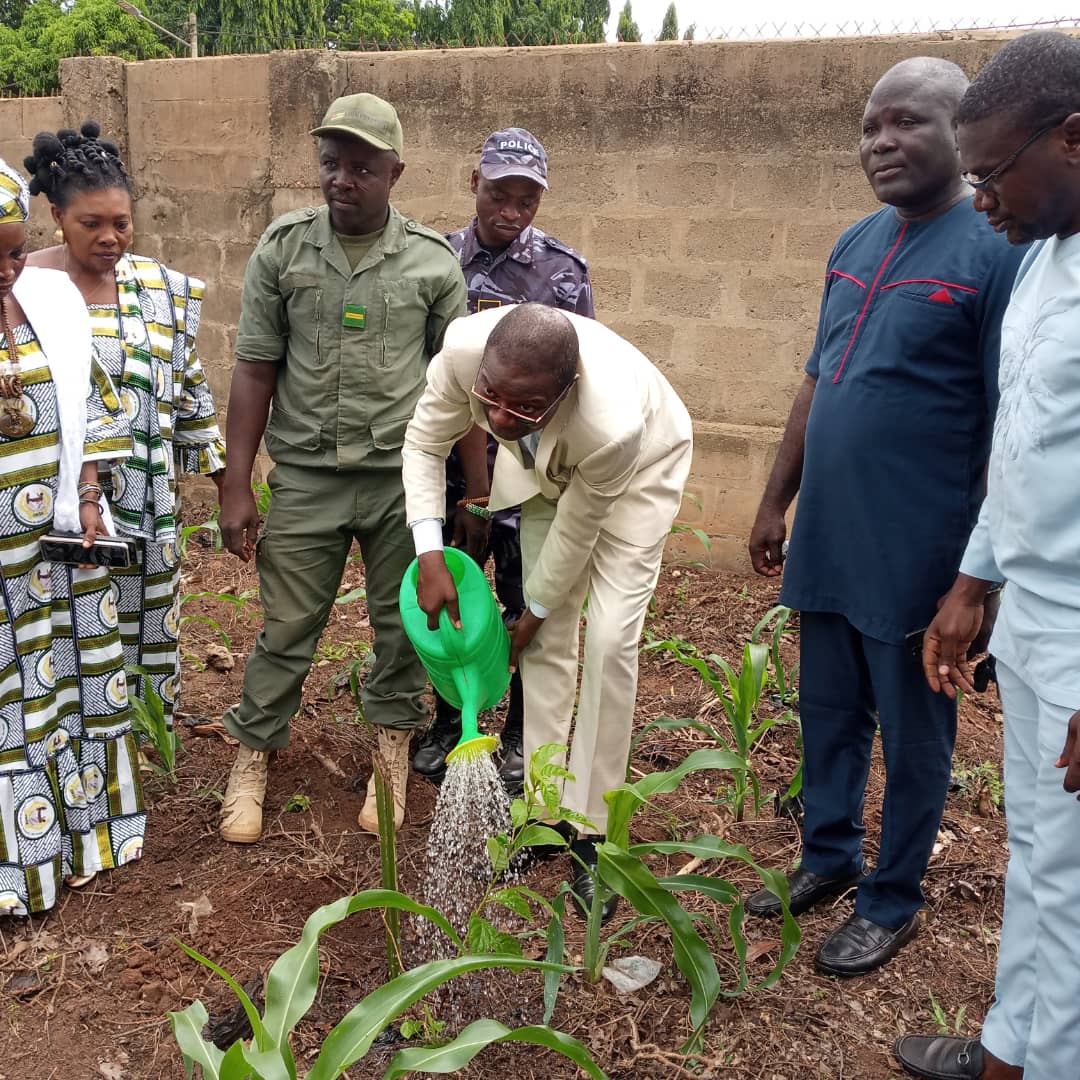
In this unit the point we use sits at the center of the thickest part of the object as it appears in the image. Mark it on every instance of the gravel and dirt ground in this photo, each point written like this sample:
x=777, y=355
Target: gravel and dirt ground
x=88, y=986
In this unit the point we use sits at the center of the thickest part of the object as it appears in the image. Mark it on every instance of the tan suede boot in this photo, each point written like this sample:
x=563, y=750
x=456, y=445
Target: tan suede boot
x=392, y=753
x=241, y=809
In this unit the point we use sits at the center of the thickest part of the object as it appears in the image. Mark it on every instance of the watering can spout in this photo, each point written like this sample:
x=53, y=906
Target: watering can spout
x=471, y=742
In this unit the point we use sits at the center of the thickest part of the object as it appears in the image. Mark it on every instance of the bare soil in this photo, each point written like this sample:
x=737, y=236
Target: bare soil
x=88, y=986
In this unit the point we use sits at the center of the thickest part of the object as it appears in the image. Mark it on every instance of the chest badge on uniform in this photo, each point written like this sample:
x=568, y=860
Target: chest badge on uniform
x=354, y=317
x=483, y=302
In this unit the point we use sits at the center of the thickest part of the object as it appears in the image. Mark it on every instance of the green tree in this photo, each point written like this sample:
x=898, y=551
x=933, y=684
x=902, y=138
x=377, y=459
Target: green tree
x=262, y=25
x=30, y=55
x=360, y=24
x=594, y=17
x=688, y=34
x=12, y=11
x=628, y=29
x=669, y=31
x=543, y=22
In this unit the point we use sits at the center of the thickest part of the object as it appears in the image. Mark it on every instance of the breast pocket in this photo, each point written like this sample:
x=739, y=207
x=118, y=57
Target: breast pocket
x=403, y=320
x=304, y=303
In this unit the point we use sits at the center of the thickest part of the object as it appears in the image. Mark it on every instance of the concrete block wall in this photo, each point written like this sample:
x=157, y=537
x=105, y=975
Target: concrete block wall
x=20, y=120
x=705, y=182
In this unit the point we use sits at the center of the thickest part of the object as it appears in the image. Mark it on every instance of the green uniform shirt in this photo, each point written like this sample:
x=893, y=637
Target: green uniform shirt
x=353, y=344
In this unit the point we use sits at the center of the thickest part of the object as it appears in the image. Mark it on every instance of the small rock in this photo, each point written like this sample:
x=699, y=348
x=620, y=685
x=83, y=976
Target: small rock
x=219, y=658
x=24, y=985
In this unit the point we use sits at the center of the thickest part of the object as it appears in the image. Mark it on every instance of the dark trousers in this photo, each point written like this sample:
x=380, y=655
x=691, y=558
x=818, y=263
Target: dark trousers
x=845, y=677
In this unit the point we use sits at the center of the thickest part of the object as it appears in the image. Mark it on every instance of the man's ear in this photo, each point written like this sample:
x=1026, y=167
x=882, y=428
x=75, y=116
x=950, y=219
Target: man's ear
x=1071, y=137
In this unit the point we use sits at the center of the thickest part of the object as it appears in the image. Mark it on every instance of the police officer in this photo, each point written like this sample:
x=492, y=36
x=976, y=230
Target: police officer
x=343, y=307
x=506, y=260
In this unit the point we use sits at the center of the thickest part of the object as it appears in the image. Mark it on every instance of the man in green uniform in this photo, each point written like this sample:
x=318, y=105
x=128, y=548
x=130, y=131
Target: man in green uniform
x=343, y=307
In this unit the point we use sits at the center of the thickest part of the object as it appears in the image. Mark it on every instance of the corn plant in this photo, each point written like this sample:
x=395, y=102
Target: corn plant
x=739, y=693
x=261, y=491
x=291, y=987
x=622, y=869
x=781, y=677
x=149, y=723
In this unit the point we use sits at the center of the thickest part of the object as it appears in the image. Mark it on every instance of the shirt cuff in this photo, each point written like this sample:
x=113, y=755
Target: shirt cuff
x=427, y=535
x=539, y=610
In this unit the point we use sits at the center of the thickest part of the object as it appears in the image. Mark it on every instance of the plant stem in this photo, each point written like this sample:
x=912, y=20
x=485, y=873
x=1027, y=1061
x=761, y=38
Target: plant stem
x=384, y=805
x=594, y=953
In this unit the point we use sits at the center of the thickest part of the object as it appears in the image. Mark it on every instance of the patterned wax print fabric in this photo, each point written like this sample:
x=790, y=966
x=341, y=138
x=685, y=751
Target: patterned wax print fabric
x=147, y=346
x=70, y=801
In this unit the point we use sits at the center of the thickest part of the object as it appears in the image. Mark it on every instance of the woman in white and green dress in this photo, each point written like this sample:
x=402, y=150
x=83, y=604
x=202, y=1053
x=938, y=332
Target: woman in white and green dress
x=70, y=801
x=144, y=318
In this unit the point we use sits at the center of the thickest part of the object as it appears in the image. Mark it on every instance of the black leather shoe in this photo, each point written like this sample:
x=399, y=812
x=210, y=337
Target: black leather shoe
x=512, y=756
x=806, y=890
x=585, y=883
x=430, y=757
x=940, y=1057
x=859, y=946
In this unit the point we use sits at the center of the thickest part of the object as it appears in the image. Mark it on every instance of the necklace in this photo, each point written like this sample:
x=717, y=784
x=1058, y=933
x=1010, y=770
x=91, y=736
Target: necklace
x=15, y=421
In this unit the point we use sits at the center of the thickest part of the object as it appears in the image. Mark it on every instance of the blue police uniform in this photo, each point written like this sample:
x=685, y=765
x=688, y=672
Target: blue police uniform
x=897, y=443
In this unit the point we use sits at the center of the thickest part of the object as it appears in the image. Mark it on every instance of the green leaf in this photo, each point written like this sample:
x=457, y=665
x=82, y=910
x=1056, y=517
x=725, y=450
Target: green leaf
x=539, y=834
x=519, y=813
x=625, y=799
x=483, y=1033
x=718, y=889
x=235, y=1065
x=513, y=900
x=556, y=945
x=294, y=978
x=187, y=1027
x=250, y=1010
x=359, y=593
x=632, y=879
x=484, y=937
x=352, y=1037
x=671, y=723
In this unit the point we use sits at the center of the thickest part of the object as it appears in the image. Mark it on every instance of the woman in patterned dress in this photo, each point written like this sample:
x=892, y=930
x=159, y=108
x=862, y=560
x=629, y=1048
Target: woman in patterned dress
x=144, y=318
x=70, y=802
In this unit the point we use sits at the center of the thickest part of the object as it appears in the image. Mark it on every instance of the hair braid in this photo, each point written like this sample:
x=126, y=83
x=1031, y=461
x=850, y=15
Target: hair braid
x=71, y=161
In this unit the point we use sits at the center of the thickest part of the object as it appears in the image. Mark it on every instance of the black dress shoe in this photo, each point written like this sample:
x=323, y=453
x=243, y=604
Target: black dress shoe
x=859, y=946
x=512, y=756
x=439, y=739
x=940, y=1057
x=585, y=882
x=805, y=889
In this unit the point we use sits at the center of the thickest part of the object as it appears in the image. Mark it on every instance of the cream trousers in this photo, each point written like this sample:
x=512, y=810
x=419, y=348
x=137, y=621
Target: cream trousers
x=618, y=580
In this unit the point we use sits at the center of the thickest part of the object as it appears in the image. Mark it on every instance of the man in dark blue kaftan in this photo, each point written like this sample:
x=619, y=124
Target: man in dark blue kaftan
x=886, y=446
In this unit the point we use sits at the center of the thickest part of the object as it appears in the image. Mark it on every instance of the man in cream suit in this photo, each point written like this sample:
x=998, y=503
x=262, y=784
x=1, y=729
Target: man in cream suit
x=595, y=446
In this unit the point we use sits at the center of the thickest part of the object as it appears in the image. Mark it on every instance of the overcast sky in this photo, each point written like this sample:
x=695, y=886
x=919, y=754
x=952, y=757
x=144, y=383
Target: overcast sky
x=715, y=18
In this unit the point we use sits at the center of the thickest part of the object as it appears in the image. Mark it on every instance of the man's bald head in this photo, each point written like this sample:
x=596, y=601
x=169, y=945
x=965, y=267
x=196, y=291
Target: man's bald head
x=535, y=340
x=942, y=79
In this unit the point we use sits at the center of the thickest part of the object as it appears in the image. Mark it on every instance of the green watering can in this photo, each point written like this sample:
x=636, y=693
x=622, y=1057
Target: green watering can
x=469, y=667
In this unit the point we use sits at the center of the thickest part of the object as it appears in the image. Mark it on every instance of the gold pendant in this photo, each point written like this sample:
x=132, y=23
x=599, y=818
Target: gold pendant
x=15, y=421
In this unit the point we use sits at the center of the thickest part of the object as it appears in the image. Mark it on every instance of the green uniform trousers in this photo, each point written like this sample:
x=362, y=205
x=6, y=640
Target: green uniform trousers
x=314, y=516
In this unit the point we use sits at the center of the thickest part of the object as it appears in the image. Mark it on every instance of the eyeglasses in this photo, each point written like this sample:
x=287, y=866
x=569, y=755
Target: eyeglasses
x=982, y=183
x=525, y=418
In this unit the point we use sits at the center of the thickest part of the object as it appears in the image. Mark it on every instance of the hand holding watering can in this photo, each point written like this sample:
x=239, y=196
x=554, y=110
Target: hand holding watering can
x=435, y=590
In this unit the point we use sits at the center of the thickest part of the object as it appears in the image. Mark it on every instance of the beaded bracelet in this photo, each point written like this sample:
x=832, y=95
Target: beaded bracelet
x=477, y=509
x=85, y=489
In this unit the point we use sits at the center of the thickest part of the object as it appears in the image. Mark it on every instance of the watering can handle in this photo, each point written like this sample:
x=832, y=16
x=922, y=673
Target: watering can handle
x=446, y=627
